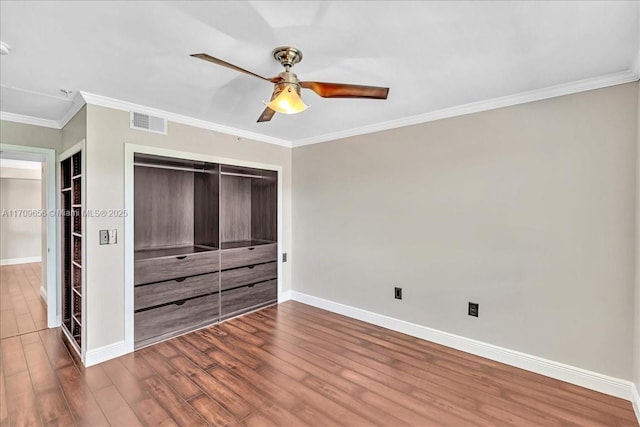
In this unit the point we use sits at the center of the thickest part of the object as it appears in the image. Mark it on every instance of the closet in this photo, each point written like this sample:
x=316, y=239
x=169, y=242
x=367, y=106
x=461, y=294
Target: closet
x=71, y=254
x=205, y=238
x=249, y=253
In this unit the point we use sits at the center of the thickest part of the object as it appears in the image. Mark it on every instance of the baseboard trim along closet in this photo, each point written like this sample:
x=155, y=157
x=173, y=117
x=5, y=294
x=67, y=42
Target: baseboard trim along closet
x=284, y=296
x=108, y=352
x=15, y=261
x=571, y=374
x=636, y=400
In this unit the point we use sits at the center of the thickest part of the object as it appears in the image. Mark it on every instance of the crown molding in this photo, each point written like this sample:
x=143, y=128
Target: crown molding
x=631, y=75
x=78, y=103
x=490, y=104
x=104, y=101
x=28, y=120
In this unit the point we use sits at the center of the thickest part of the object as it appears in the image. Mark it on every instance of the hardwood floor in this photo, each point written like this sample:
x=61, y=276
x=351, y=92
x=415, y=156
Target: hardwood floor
x=21, y=307
x=287, y=365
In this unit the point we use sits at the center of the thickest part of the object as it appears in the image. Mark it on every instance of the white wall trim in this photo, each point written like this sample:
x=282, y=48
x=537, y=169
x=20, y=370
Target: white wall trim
x=28, y=120
x=104, y=101
x=578, y=376
x=16, y=261
x=476, y=107
x=630, y=75
x=107, y=352
x=635, y=400
x=284, y=296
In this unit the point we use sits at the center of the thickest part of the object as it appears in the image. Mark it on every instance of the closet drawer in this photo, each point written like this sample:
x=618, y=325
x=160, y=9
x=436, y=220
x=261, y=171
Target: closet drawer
x=159, y=269
x=172, y=318
x=247, y=256
x=250, y=274
x=238, y=300
x=173, y=290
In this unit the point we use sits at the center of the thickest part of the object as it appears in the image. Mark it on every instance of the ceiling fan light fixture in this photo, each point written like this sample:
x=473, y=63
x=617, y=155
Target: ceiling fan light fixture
x=286, y=99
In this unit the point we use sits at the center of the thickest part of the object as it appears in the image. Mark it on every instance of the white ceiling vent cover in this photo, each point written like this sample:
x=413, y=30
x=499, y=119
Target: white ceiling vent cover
x=141, y=121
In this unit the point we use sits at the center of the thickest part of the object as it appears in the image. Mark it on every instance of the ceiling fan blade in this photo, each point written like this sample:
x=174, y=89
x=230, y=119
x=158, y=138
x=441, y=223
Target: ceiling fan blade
x=341, y=90
x=266, y=115
x=217, y=61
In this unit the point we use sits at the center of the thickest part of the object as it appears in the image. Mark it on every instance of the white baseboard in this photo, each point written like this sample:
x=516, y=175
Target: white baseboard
x=14, y=261
x=636, y=400
x=284, y=296
x=43, y=293
x=578, y=376
x=102, y=354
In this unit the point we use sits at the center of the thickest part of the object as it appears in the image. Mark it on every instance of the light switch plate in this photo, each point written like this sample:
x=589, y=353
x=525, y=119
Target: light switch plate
x=113, y=237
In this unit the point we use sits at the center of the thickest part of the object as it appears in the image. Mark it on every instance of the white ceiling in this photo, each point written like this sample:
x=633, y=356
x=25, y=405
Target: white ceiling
x=19, y=164
x=438, y=58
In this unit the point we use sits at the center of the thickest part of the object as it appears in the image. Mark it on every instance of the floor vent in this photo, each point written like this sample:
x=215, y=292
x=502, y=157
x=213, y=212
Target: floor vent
x=148, y=123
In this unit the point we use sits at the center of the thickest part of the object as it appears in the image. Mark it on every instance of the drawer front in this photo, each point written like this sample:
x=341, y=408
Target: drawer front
x=246, y=275
x=247, y=256
x=170, y=318
x=173, y=290
x=159, y=269
x=236, y=301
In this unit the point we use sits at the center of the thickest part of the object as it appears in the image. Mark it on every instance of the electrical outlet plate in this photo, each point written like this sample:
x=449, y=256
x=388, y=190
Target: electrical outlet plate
x=474, y=308
x=397, y=293
x=104, y=237
x=284, y=257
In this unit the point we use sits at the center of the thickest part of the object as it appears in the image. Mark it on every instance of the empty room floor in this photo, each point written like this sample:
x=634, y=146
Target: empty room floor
x=22, y=309
x=287, y=365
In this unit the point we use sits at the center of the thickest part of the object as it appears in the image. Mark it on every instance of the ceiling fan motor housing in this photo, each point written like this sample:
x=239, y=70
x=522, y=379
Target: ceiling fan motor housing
x=287, y=56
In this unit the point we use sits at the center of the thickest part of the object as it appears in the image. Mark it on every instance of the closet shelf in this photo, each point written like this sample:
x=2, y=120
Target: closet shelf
x=172, y=252
x=244, y=243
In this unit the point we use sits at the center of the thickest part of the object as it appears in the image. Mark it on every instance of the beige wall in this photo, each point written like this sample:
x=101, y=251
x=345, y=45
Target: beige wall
x=30, y=135
x=527, y=210
x=20, y=189
x=107, y=132
x=75, y=130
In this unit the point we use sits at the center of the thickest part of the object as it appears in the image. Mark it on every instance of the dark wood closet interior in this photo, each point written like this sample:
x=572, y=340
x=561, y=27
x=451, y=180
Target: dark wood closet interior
x=205, y=238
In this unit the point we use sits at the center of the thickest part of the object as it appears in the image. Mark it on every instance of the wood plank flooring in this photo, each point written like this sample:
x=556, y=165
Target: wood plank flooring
x=287, y=365
x=22, y=309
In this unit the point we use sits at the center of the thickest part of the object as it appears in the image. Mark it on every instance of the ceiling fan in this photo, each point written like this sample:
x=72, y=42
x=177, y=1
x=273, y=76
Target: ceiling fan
x=286, y=94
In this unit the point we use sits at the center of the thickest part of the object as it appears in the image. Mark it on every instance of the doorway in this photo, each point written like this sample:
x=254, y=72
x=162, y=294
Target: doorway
x=29, y=239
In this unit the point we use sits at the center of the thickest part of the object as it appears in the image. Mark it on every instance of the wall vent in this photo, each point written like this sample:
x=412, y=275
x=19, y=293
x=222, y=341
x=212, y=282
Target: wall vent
x=141, y=121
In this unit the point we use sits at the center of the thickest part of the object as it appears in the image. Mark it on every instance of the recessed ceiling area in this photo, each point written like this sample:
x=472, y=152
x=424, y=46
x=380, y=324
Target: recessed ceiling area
x=436, y=57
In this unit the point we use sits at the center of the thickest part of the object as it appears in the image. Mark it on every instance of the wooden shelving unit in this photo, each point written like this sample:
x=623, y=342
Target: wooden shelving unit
x=72, y=249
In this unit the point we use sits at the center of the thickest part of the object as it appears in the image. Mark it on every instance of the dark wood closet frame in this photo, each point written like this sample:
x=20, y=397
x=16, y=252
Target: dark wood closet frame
x=224, y=222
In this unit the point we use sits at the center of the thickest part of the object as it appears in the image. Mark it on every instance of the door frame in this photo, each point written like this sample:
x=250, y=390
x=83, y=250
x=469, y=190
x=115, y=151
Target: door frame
x=46, y=156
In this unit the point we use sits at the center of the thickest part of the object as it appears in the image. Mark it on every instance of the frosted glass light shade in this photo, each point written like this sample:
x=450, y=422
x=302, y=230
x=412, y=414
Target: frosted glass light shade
x=287, y=100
